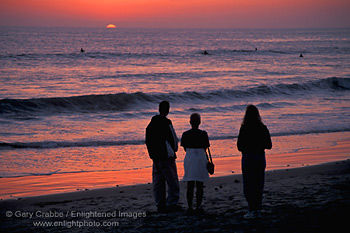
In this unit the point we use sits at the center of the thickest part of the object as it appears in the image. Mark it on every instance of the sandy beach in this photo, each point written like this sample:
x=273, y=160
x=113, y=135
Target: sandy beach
x=303, y=199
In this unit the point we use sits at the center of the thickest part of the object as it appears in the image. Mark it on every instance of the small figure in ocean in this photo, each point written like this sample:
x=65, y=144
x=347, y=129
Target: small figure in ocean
x=301, y=55
x=195, y=142
x=253, y=139
x=205, y=52
x=256, y=49
x=82, y=50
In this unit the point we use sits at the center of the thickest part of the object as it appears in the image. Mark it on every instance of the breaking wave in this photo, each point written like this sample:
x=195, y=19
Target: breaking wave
x=128, y=101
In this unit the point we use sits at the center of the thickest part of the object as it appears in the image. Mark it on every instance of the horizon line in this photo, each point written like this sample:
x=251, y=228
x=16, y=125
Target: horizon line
x=175, y=28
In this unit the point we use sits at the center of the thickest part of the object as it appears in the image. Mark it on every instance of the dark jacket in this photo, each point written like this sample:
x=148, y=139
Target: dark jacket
x=254, y=139
x=157, y=132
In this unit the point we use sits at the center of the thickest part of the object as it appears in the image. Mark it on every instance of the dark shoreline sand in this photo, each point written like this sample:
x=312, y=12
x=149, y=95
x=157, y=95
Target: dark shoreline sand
x=306, y=199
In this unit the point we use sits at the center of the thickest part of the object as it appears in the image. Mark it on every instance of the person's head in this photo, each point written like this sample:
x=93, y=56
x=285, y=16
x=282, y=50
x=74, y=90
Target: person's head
x=164, y=108
x=195, y=120
x=251, y=116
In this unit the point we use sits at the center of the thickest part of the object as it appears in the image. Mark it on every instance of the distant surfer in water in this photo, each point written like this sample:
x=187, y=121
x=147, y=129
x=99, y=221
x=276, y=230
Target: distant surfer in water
x=301, y=55
x=82, y=50
x=205, y=52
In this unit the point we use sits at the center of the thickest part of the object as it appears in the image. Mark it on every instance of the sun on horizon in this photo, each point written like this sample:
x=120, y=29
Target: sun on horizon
x=111, y=26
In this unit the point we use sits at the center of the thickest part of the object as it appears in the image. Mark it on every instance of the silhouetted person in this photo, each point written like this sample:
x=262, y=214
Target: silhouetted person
x=82, y=50
x=205, y=52
x=253, y=139
x=301, y=55
x=256, y=49
x=162, y=143
x=195, y=142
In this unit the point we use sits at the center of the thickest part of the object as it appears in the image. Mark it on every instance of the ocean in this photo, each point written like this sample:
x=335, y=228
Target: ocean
x=64, y=111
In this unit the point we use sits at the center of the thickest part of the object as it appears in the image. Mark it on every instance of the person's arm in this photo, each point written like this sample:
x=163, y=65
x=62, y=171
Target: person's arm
x=268, y=142
x=167, y=134
x=183, y=141
x=206, y=140
x=240, y=140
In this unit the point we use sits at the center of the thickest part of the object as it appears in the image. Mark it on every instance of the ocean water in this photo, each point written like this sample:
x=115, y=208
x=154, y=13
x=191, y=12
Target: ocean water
x=64, y=111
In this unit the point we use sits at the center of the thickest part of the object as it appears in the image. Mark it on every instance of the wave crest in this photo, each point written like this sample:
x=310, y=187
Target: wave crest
x=127, y=101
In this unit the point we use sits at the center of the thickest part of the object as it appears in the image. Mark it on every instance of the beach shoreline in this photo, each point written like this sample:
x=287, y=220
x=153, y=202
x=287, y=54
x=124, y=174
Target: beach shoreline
x=295, y=200
x=310, y=197
x=31, y=186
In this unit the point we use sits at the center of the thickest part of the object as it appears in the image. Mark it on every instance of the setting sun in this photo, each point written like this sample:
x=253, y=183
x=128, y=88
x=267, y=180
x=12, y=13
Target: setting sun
x=111, y=26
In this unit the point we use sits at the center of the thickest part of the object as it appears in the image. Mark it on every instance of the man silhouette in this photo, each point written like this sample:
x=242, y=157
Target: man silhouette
x=162, y=143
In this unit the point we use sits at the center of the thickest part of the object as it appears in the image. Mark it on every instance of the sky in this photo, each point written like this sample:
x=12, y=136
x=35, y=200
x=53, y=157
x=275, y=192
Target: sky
x=176, y=13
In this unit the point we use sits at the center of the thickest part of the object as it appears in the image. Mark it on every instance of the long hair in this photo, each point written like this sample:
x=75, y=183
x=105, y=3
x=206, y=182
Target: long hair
x=252, y=116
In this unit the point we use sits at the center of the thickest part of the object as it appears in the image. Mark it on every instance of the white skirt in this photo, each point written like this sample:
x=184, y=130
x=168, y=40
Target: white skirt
x=195, y=165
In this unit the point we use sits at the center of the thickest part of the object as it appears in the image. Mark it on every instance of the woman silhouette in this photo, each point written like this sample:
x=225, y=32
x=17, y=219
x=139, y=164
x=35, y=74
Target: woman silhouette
x=195, y=142
x=253, y=139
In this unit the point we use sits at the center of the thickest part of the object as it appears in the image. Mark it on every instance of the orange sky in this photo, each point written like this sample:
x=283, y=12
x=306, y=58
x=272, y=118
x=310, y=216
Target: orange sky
x=177, y=13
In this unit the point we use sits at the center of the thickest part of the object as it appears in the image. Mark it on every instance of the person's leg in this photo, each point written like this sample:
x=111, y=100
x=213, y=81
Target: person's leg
x=248, y=185
x=190, y=188
x=171, y=177
x=199, y=193
x=260, y=184
x=257, y=178
x=255, y=188
x=159, y=189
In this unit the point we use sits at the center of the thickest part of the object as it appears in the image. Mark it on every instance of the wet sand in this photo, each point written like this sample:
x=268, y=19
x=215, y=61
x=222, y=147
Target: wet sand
x=20, y=187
